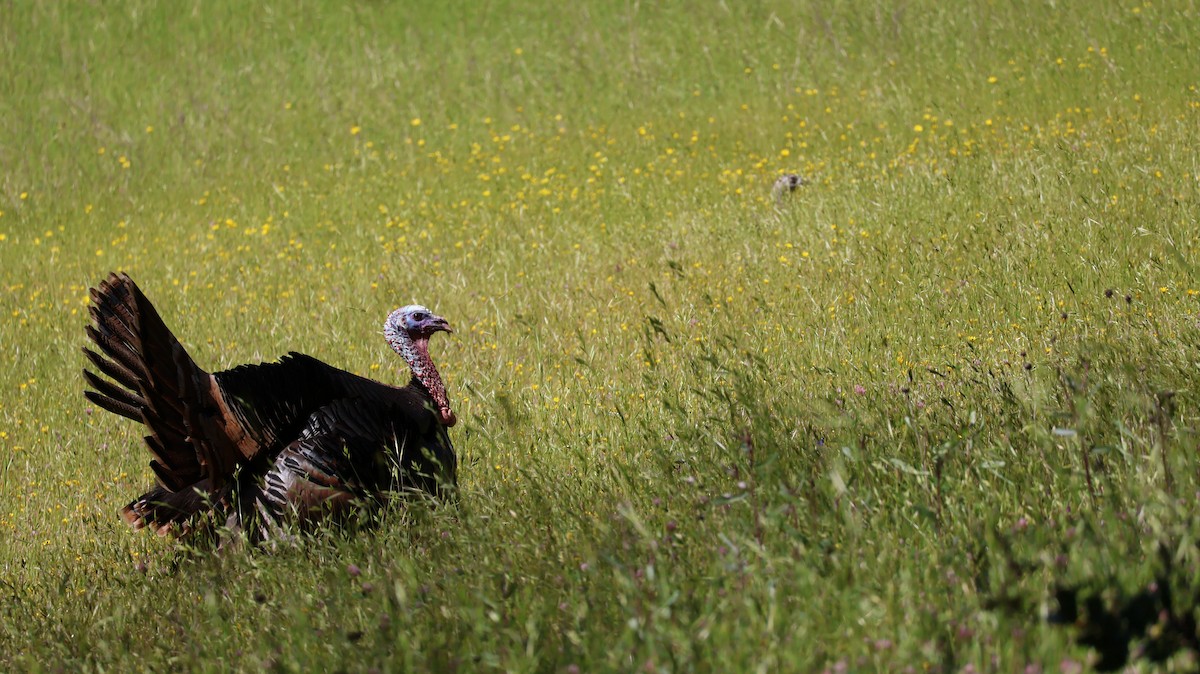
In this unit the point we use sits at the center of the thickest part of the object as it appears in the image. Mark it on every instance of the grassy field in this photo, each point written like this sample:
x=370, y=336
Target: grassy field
x=872, y=429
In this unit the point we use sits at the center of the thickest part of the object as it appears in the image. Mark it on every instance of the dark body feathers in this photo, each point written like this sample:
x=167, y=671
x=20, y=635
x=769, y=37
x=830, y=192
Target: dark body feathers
x=257, y=444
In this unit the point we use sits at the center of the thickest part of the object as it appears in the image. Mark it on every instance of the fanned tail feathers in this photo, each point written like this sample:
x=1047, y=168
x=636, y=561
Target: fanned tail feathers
x=154, y=381
x=168, y=512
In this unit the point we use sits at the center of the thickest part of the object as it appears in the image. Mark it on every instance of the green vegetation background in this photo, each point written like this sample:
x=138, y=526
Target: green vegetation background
x=868, y=429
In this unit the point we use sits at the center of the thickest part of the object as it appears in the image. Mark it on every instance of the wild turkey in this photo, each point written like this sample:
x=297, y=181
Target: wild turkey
x=261, y=444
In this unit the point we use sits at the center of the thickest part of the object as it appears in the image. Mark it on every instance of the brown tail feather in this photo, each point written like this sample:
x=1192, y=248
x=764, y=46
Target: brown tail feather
x=117, y=295
x=155, y=446
x=120, y=354
x=114, y=318
x=114, y=406
x=121, y=374
x=121, y=396
x=162, y=510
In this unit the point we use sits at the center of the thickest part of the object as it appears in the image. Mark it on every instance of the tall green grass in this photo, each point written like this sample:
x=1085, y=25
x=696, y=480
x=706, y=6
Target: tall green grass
x=869, y=430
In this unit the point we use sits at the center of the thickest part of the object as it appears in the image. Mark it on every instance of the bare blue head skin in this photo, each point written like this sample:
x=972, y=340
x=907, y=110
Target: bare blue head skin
x=408, y=330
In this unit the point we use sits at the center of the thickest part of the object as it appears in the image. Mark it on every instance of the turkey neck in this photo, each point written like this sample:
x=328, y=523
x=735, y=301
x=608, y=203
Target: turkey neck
x=416, y=353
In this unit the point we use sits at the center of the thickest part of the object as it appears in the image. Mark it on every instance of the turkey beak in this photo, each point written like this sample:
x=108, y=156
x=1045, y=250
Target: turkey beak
x=440, y=324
